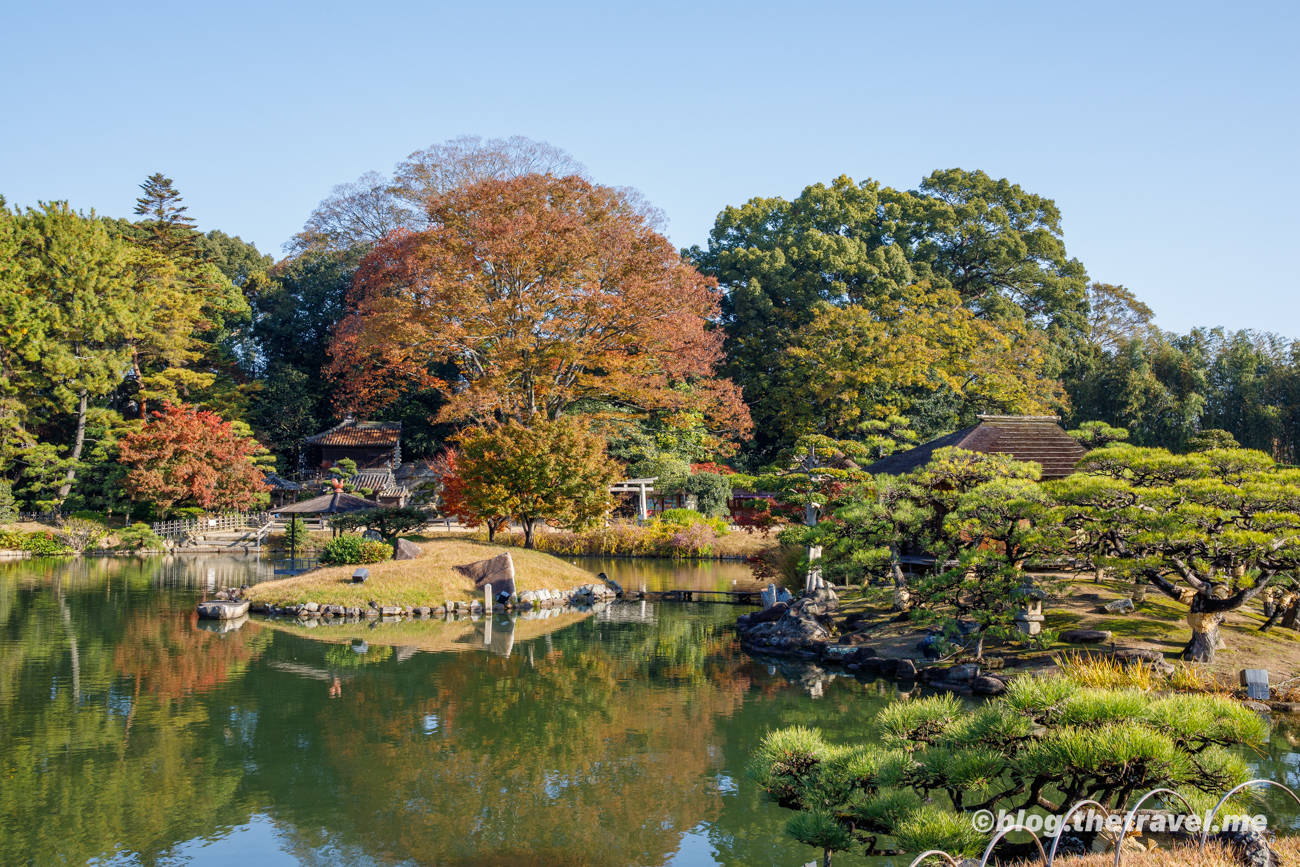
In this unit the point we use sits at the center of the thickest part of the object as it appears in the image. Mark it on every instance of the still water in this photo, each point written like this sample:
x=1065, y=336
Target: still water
x=130, y=734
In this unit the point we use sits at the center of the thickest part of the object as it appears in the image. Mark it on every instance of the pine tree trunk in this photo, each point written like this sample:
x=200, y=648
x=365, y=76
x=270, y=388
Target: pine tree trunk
x=139, y=383
x=826, y=858
x=1205, y=636
x=902, y=597
x=71, y=476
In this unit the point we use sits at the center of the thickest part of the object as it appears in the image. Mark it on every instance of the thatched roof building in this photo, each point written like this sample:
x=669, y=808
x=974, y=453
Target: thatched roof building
x=1037, y=438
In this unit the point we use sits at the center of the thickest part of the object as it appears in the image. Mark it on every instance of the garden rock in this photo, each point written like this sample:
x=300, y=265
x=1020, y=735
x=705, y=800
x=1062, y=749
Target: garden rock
x=404, y=549
x=985, y=685
x=222, y=609
x=906, y=670
x=1086, y=636
x=492, y=571
x=1119, y=606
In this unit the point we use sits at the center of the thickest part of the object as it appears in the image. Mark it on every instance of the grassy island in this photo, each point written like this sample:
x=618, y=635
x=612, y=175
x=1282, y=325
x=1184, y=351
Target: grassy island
x=430, y=579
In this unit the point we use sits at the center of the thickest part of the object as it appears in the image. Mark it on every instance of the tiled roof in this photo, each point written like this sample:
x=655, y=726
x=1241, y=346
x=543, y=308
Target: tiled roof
x=350, y=432
x=1035, y=438
x=375, y=480
x=329, y=504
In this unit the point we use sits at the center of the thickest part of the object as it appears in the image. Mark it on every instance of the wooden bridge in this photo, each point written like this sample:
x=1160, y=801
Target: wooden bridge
x=726, y=597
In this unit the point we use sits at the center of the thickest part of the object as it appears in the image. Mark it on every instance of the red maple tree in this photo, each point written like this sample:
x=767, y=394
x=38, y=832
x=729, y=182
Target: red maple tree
x=537, y=292
x=452, y=495
x=187, y=455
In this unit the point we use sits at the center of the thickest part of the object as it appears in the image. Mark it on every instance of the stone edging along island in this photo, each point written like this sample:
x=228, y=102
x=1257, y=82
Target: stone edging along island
x=588, y=596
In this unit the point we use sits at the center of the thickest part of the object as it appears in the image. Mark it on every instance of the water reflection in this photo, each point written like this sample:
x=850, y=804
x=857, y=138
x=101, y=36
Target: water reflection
x=133, y=734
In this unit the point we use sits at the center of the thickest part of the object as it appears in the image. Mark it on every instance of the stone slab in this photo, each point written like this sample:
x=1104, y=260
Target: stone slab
x=1086, y=636
x=222, y=609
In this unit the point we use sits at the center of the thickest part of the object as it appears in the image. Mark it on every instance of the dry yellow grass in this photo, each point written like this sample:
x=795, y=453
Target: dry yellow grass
x=1288, y=848
x=426, y=580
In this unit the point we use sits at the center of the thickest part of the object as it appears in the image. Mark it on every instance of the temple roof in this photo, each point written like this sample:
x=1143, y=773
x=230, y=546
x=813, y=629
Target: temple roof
x=1037, y=438
x=350, y=432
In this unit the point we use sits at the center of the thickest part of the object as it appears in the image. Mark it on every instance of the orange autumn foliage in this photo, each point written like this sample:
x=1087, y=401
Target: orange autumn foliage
x=184, y=454
x=538, y=292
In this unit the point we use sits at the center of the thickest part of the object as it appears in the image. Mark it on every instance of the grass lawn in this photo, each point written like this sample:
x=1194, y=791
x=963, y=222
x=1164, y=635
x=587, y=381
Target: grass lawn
x=427, y=580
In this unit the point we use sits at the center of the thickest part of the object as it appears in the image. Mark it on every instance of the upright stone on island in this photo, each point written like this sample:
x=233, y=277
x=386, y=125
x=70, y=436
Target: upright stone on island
x=499, y=571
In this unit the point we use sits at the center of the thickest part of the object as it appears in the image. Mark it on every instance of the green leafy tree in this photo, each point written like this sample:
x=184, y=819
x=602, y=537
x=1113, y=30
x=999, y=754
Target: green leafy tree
x=998, y=247
x=388, y=523
x=1212, y=438
x=8, y=505
x=1098, y=434
x=555, y=471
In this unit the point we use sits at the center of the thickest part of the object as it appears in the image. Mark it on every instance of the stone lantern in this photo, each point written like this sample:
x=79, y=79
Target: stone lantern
x=1029, y=619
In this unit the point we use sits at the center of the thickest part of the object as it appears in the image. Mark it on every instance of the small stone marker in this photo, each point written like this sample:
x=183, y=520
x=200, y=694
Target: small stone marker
x=1256, y=682
x=360, y=576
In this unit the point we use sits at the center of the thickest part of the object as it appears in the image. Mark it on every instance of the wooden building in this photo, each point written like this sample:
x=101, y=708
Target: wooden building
x=1037, y=438
x=374, y=445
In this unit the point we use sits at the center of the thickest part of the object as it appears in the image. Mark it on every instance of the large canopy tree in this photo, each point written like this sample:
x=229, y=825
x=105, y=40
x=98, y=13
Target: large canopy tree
x=997, y=246
x=540, y=292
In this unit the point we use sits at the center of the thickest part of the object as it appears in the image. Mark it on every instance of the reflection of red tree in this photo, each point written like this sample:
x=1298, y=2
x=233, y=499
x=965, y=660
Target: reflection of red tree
x=170, y=656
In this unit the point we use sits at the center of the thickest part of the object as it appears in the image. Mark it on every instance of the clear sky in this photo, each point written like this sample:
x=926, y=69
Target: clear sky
x=1166, y=132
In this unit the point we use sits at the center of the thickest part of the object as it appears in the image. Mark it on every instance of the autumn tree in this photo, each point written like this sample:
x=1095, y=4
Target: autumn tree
x=185, y=455
x=553, y=470
x=454, y=500
x=540, y=291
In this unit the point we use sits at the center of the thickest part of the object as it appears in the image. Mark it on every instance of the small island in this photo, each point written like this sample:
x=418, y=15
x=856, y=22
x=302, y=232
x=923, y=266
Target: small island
x=429, y=581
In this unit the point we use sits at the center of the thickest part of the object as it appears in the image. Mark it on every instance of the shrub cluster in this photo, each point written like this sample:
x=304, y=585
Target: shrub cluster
x=679, y=533
x=352, y=550
x=39, y=542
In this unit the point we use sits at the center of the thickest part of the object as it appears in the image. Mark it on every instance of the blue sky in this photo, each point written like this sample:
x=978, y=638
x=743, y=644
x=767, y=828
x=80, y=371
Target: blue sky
x=1166, y=132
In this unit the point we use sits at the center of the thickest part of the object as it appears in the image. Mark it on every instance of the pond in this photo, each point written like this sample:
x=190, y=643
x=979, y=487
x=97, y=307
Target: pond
x=130, y=734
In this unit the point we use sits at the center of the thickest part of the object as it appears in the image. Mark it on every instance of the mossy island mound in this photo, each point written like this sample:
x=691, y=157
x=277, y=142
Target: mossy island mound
x=429, y=580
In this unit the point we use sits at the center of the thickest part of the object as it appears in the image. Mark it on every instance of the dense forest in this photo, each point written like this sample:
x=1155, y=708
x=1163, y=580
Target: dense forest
x=851, y=308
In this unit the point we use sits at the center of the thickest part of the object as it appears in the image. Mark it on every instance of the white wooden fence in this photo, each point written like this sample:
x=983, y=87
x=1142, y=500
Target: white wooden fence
x=177, y=530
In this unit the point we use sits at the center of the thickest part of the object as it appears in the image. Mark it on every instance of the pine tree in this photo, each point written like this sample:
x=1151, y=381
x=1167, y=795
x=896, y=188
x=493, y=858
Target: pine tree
x=161, y=202
x=172, y=229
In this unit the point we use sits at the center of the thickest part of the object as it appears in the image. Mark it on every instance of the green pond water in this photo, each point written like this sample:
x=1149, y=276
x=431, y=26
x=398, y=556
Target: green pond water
x=131, y=733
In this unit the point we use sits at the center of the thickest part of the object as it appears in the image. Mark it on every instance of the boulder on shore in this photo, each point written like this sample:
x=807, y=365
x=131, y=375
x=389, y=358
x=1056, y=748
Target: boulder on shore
x=499, y=571
x=222, y=609
x=404, y=549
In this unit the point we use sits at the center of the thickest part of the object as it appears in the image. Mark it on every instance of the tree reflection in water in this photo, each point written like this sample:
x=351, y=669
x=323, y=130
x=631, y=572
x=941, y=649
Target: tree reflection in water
x=129, y=729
